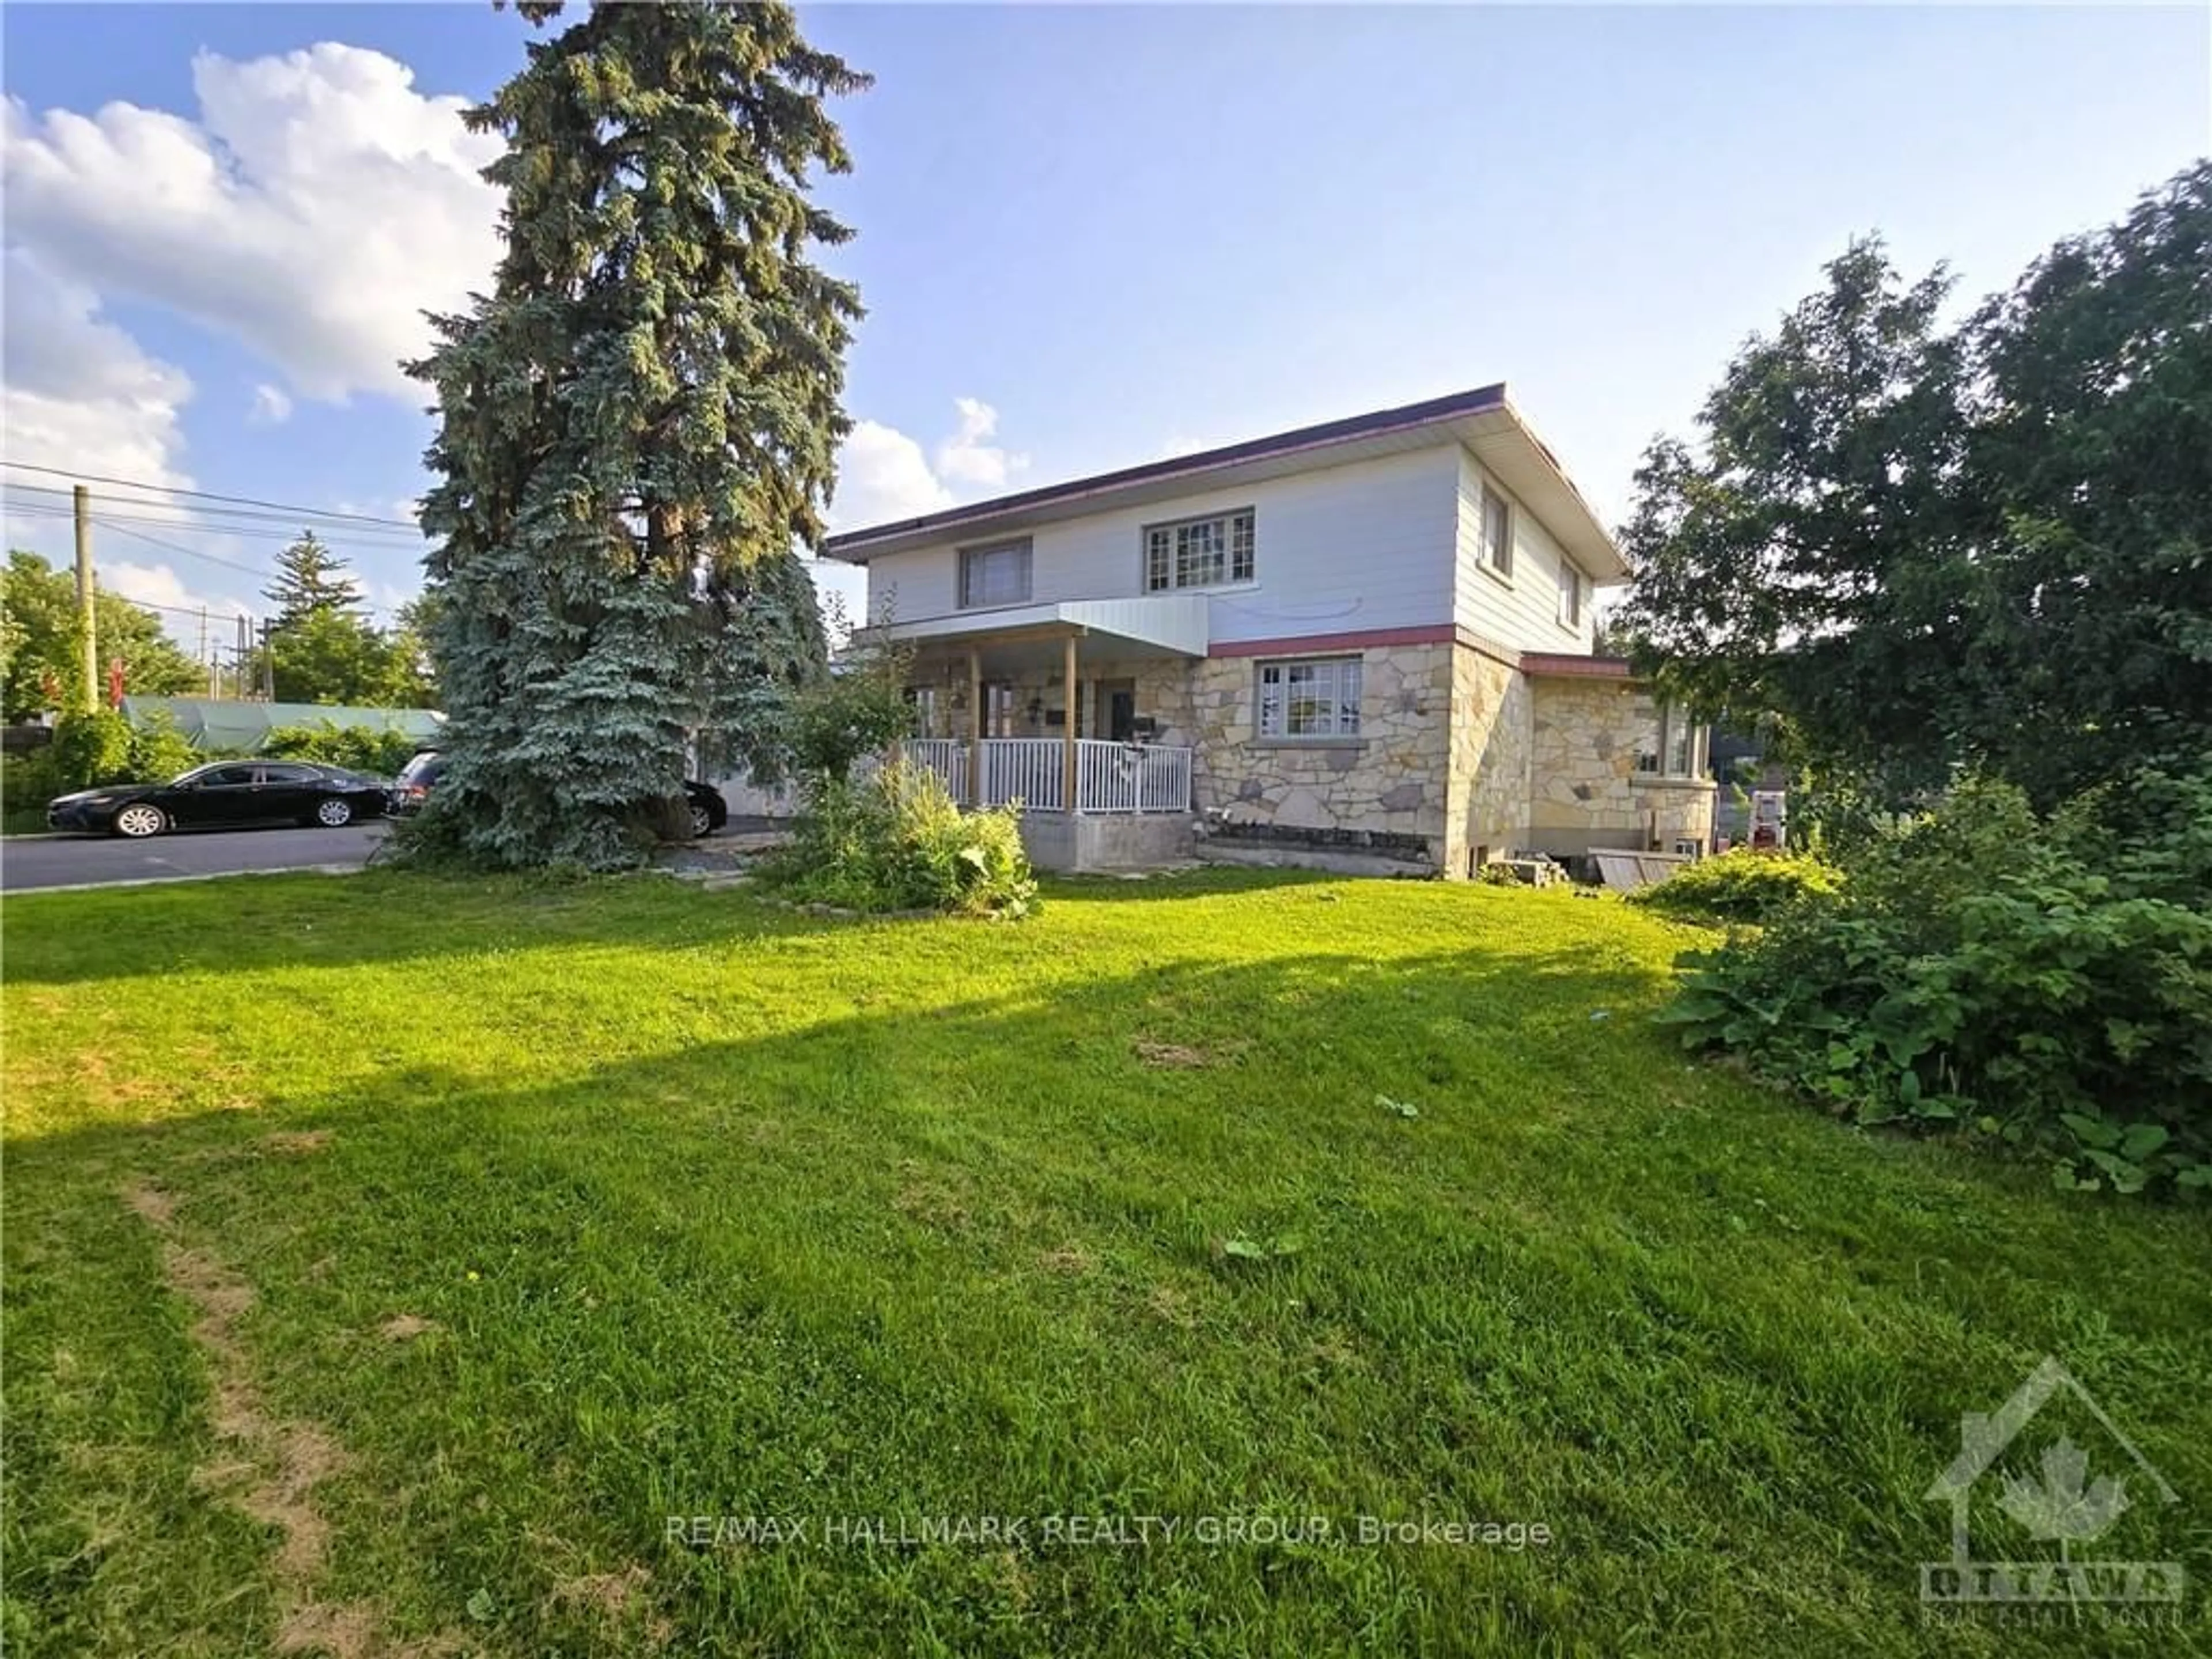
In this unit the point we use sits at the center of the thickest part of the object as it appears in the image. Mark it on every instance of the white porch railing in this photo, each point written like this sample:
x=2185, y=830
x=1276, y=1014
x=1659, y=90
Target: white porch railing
x=1032, y=770
x=1126, y=777
x=947, y=756
x=1110, y=777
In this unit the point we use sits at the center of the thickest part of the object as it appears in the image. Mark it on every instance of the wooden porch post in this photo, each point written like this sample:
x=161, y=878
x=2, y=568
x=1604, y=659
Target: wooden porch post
x=974, y=726
x=1067, y=799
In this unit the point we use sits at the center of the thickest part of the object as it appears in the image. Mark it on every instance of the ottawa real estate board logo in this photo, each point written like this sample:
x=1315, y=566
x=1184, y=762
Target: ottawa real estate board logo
x=2008, y=1481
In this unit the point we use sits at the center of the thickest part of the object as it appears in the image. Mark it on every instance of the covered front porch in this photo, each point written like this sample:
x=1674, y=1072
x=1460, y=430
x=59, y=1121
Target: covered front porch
x=1062, y=709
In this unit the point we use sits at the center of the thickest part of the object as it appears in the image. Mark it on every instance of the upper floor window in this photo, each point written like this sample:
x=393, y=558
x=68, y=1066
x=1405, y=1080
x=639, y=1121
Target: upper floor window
x=1496, y=532
x=998, y=574
x=1319, y=698
x=1199, y=552
x=1571, y=595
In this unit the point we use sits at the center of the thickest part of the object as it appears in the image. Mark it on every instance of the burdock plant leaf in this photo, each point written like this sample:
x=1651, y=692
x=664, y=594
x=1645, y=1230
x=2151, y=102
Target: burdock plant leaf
x=2059, y=1505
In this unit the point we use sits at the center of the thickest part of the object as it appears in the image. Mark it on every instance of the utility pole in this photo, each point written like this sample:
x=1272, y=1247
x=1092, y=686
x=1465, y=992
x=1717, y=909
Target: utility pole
x=207, y=655
x=87, y=610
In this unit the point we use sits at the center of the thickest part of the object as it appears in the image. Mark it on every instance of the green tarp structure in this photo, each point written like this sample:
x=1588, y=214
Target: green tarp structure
x=213, y=723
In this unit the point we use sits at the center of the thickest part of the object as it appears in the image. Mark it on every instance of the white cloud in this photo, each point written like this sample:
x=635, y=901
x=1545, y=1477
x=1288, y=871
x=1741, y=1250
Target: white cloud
x=314, y=209
x=159, y=585
x=271, y=406
x=965, y=457
x=884, y=475
x=176, y=605
x=78, y=393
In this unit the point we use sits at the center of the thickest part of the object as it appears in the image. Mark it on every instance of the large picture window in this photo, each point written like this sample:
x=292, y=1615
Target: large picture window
x=1318, y=698
x=1674, y=747
x=998, y=574
x=1210, y=552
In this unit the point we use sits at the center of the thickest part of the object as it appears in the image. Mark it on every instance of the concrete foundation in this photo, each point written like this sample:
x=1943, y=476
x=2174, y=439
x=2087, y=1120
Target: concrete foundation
x=1076, y=843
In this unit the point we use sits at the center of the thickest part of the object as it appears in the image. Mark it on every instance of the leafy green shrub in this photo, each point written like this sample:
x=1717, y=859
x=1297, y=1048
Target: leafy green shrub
x=88, y=749
x=1743, y=884
x=159, y=752
x=1981, y=970
x=357, y=748
x=848, y=716
x=26, y=786
x=896, y=840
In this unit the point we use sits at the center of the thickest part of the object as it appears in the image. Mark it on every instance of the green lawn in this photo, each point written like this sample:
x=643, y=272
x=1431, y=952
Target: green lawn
x=388, y=1260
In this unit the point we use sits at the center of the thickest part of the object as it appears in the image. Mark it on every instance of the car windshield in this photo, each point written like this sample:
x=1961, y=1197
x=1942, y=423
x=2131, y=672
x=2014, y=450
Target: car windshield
x=423, y=768
x=195, y=773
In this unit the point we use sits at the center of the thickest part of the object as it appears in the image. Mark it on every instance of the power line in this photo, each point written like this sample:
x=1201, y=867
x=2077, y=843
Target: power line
x=213, y=611
x=230, y=564
x=189, y=552
x=342, y=543
x=227, y=518
x=208, y=496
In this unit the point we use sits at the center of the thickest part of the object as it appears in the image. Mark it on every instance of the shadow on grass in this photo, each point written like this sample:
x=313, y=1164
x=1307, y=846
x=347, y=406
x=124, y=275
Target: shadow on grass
x=392, y=916
x=974, y=1253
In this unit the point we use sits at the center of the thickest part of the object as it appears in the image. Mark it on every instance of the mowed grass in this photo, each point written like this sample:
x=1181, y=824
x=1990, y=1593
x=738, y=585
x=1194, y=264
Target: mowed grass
x=388, y=1260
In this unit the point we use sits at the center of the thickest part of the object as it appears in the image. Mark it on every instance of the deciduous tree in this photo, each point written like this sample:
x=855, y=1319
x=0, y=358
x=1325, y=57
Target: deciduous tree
x=40, y=656
x=1925, y=547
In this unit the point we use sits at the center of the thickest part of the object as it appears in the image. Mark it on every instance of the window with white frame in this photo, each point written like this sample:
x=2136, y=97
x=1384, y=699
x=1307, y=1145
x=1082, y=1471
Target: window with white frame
x=1318, y=698
x=1674, y=747
x=1209, y=552
x=1571, y=595
x=998, y=574
x=1496, y=532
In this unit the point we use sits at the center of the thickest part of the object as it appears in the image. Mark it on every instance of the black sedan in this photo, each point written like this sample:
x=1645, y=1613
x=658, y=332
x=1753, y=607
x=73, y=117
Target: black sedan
x=223, y=795
x=709, y=812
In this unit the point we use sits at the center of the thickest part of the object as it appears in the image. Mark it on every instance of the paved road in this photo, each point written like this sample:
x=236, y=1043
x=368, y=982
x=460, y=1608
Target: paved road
x=68, y=861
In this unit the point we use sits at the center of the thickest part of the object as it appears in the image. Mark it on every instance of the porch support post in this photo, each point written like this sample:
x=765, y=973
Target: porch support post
x=1067, y=799
x=974, y=726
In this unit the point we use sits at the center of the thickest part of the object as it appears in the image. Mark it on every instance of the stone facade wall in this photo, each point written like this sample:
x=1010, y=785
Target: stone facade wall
x=1459, y=753
x=1394, y=780
x=1491, y=758
x=1586, y=790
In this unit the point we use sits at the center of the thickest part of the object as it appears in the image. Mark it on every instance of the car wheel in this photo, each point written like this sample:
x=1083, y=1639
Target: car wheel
x=334, y=814
x=703, y=822
x=138, y=821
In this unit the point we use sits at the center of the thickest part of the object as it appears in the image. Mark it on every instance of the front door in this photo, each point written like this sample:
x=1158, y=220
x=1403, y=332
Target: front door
x=1117, y=710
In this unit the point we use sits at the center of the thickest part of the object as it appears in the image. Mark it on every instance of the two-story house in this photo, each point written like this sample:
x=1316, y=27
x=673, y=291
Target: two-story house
x=1370, y=637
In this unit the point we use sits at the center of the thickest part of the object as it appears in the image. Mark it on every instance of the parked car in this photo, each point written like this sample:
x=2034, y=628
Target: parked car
x=223, y=795
x=709, y=812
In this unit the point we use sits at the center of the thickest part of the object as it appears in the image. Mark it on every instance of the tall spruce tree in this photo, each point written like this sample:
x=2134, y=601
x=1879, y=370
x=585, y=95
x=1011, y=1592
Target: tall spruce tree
x=638, y=426
x=310, y=578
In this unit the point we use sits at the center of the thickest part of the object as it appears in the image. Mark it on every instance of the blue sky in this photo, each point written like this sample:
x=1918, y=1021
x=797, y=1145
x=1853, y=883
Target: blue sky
x=1088, y=236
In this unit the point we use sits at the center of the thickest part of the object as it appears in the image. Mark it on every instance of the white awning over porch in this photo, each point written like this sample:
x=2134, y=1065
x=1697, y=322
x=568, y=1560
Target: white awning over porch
x=1175, y=624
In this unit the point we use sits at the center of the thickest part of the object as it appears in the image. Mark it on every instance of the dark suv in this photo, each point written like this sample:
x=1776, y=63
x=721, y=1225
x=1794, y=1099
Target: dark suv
x=709, y=812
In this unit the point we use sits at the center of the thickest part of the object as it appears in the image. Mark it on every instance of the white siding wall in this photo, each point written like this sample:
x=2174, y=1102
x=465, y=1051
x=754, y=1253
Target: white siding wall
x=1341, y=549
x=1523, y=612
